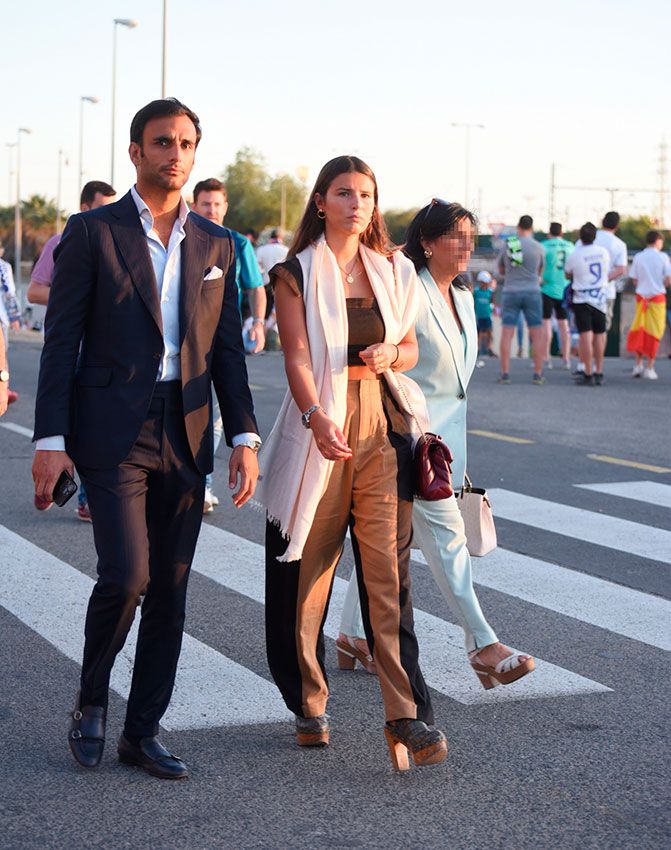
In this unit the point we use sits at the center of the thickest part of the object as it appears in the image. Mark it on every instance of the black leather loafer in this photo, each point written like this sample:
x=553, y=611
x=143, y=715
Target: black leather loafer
x=153, y=757
x=87, y=733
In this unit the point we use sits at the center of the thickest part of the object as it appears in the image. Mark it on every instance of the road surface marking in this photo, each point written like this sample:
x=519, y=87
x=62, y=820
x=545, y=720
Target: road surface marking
x=647, y=467
x=650, y=492
x=51, y=597
x=238, y=564
x=493, y=435
x=644, y=541
x=631, y=613
x=18, y=429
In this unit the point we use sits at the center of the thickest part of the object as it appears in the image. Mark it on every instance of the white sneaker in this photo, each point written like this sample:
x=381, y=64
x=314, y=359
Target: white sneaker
x=215, y=499
x=650, y=374
x=479, y=364
x=637, y=371
x=208, y=504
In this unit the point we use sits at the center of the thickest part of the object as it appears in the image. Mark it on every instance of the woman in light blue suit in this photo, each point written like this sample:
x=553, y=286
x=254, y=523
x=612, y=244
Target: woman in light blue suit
x=440, y=241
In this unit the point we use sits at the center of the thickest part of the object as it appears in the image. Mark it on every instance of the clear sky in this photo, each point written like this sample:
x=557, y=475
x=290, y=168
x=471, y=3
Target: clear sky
x=581, y=83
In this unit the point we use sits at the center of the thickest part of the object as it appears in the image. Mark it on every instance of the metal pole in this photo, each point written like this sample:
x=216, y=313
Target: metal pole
x=468, y=163
x=552, y=191
x=10, y=176
x=113, y=102
x=81, y=148
x=165, y=33
x=283, y=203
x=58, y=191
x=17, y=209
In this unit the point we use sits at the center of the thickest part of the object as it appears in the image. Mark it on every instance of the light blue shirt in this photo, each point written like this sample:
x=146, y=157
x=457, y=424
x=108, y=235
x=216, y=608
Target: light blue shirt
x=166, y=263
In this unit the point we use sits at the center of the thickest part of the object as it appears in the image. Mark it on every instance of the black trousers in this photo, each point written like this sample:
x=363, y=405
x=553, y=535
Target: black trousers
x=146, y=517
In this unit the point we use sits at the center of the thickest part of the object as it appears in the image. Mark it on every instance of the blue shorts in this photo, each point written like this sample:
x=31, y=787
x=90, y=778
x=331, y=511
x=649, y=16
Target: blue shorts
x=528, y=302
x=484, y=324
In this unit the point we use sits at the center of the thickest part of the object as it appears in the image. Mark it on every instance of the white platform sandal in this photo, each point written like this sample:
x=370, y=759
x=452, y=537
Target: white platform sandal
x=508, y=670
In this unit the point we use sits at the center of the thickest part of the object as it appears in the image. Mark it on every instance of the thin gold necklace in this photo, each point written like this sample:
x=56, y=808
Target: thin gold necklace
x=349, y=277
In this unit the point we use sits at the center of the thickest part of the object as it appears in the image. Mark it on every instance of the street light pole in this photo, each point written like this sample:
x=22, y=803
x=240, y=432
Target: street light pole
x=10, y=176
x=165, y=34
x=467, y=167
x=129, y=24
x=17, y=209
x=58, y=190
x=83, y=99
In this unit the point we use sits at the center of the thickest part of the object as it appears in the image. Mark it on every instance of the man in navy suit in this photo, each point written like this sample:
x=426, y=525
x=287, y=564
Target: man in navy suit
x=148, y=291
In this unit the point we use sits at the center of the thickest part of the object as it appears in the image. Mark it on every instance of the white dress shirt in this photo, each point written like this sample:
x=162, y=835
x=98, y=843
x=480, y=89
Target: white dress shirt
x=167, y=266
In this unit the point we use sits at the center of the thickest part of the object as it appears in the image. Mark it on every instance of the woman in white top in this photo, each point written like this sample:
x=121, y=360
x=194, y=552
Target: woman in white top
x=440, y=242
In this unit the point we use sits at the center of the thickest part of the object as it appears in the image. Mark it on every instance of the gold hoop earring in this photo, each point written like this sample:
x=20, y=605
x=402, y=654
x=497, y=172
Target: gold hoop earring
x=321, y=214
x=428, y=253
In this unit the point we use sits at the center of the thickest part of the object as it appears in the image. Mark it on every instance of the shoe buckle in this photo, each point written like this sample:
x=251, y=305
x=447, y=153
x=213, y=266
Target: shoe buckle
x=76, y=734
x=77, y=715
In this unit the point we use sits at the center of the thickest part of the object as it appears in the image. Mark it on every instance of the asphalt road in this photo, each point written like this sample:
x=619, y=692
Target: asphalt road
x=578, y=760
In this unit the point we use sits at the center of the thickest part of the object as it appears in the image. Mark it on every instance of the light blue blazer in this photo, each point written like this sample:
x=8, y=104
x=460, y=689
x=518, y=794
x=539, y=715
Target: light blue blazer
x=444, y=368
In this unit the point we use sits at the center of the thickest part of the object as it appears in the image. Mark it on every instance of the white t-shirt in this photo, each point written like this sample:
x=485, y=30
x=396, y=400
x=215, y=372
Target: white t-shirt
x=589, y=265
x=269, y=255
x=618, y=254
x=649, y=268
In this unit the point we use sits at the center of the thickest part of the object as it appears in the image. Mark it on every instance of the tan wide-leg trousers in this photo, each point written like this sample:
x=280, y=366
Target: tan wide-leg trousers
x=370, y=493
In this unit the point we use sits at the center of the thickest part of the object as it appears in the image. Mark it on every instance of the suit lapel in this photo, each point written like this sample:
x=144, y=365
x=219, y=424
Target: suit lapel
x=131, y=241
x=446, y=323
x=463, y=301
x=195, y=250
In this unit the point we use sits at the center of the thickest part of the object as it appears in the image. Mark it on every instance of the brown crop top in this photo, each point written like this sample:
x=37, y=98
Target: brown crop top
x=366, y=325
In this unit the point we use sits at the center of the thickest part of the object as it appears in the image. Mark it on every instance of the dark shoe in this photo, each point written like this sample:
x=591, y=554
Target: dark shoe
x=504, y=378
x=584, y=381
x=152, y=756
x=538, y=380
x=598, y=378
x=312, y=731
x=427, y=745
x=87, y=733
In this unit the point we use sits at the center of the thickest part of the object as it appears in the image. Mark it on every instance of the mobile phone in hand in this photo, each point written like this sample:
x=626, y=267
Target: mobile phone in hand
x=65, y=488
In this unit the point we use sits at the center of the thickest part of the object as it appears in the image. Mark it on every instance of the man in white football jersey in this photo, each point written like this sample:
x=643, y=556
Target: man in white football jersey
x=588, y=269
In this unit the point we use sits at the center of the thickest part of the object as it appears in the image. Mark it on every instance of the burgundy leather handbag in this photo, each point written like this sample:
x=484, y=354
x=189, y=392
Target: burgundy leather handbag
x=432, y=459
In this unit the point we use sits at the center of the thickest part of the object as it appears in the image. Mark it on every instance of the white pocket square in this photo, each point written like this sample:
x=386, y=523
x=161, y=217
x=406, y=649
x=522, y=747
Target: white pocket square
x=214, y=273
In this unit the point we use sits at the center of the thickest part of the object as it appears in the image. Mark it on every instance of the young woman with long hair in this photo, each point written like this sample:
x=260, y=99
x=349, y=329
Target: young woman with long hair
x=340, y=456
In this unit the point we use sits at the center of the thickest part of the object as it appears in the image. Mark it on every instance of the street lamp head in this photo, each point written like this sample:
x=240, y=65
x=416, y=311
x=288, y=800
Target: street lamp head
x=126, y=22
x=25, y=130
x=90, y=98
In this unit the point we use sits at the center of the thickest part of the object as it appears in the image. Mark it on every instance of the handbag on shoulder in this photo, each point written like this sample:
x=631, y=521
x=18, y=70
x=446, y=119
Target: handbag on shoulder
x=476, y=511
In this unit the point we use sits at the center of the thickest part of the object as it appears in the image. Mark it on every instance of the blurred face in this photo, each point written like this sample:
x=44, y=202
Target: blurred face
x=166, y=156
x=453, y=250
x=211, y=205
x=99, y=200
x=348, y=204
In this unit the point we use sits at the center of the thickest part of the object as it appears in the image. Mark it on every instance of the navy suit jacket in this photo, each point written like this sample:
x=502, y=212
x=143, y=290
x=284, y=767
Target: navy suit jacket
x=104, y=298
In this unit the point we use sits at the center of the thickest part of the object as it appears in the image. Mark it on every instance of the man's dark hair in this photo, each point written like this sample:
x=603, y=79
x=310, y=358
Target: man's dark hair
x=588, y=233
x=555, y=228
x=525, y=222
x=166, y=108
x=209, y=185
x=611, y=220
x=274, y=233
x=652, y=236
x=93, y=188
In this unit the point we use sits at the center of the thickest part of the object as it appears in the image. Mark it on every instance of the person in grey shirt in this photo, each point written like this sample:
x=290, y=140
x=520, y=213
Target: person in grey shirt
x=521, y=263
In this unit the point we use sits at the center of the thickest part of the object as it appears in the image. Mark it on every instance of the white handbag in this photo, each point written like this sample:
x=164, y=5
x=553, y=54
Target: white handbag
x=476, y=511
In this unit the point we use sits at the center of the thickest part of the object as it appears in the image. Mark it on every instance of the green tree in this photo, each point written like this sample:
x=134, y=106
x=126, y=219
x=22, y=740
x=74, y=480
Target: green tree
x=255, y=197
x=397, y=222
x=38, y=215
x=633, y=230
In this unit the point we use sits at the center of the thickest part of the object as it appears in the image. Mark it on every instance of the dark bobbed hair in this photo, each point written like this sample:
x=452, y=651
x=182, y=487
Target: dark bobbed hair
x=555, y=228
x=611, y=220
x=434, y=220
x=525, y=222
x=311, y=227
x=652, y=236
x=588, y=233
x=93, y=188
x=209, y=185
x=164, y=108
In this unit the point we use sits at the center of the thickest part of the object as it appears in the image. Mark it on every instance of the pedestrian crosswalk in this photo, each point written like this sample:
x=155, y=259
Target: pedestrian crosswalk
x=49, y=596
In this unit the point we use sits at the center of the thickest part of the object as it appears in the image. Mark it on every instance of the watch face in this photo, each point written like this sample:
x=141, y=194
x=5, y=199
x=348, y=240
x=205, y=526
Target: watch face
x=4, y=375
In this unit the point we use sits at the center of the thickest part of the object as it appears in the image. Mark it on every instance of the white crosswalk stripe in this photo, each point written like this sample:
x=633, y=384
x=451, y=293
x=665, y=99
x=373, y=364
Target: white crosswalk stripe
x=238, y=564
x=50, y=597
x=17, y=429
x=621, y=534
x=650, y=492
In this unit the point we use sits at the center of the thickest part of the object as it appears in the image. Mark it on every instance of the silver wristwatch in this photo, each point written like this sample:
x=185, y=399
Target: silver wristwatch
x=4, y=376
x=250, y=443
x=305, y=417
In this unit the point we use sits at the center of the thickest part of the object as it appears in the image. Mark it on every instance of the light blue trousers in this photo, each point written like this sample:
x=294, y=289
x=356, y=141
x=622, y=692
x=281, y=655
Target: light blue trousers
x=439, y=532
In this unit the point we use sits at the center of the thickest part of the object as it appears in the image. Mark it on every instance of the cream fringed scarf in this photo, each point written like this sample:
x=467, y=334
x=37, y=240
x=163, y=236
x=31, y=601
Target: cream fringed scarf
x=294, y=472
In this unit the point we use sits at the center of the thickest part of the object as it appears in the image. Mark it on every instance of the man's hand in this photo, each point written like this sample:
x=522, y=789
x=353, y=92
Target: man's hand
x=47, y=468
x=243, y=463
x=258, y=335
x=4, y=389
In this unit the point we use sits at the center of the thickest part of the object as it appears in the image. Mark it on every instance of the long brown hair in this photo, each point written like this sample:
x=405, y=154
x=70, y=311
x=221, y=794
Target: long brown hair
x=375, y=236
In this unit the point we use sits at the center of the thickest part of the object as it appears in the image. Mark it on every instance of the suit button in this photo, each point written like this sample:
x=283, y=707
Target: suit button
x=461, y=396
